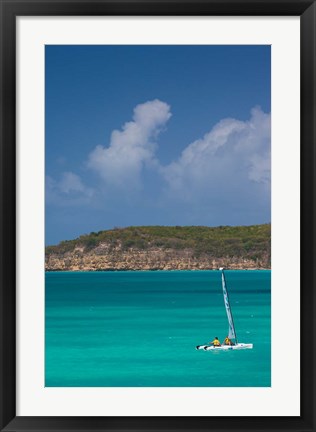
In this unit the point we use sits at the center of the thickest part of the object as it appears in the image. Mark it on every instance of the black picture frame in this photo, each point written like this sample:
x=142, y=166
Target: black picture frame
x=10, y=9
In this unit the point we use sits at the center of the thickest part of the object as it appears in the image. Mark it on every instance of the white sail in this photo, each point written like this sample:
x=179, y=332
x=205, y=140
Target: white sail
x=231, y=327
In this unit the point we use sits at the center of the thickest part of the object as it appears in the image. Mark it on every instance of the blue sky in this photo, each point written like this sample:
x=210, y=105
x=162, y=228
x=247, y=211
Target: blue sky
x=156, y=135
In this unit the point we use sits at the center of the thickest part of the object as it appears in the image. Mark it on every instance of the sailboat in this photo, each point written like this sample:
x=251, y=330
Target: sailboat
x=231, y=327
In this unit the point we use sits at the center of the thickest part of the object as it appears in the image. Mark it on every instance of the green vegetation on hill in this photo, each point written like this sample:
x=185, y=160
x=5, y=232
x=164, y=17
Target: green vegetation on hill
x=251, y=242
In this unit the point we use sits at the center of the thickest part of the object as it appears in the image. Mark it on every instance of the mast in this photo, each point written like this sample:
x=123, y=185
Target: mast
x=231, y=330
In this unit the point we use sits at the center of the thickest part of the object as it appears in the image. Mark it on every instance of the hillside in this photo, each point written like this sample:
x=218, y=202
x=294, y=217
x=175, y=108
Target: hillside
x=164, y=248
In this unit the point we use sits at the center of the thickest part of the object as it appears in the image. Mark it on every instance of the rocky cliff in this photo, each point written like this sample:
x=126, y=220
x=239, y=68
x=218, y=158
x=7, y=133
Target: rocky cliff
x=167, y=248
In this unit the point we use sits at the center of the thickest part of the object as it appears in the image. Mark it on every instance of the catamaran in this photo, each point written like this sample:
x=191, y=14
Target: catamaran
x=231, y=327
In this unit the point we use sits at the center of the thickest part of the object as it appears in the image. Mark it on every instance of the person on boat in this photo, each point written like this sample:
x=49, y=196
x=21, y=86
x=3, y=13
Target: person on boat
x=215, y=342
x=227, y=341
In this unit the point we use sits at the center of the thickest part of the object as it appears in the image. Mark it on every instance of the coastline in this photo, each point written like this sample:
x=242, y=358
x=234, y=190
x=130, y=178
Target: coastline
x=152, y=270
x=164, y=248
x=149, y=271
x=50, y=270
x=149, y=261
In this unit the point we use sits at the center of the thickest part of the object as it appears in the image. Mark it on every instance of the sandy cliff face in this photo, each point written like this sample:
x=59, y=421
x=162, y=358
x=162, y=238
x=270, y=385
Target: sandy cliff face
x=105, y=257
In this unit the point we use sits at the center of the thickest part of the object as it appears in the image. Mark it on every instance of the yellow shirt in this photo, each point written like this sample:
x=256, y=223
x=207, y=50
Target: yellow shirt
x=216, y=342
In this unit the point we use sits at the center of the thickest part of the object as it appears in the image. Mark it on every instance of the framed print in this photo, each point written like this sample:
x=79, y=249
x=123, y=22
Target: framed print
x=157, y=222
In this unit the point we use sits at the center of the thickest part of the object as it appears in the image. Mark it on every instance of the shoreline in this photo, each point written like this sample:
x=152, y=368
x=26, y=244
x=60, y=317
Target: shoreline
x=150, y=270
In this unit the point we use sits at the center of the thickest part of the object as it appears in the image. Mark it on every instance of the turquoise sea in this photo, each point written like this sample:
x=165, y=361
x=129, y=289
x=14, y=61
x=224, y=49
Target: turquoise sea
x=140, y=328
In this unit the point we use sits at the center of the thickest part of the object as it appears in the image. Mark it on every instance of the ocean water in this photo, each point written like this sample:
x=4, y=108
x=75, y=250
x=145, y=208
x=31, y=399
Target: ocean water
x=131, y=329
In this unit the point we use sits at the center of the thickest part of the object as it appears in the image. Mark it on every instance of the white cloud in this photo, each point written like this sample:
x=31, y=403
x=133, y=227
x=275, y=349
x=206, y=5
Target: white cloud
x=69, y=190
x=121, y=163
x=234, y=155
x=71, y=182
x=221, y=178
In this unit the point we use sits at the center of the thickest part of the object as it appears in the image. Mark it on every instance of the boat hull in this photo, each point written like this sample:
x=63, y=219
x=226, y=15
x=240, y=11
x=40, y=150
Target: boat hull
x=239, y=346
